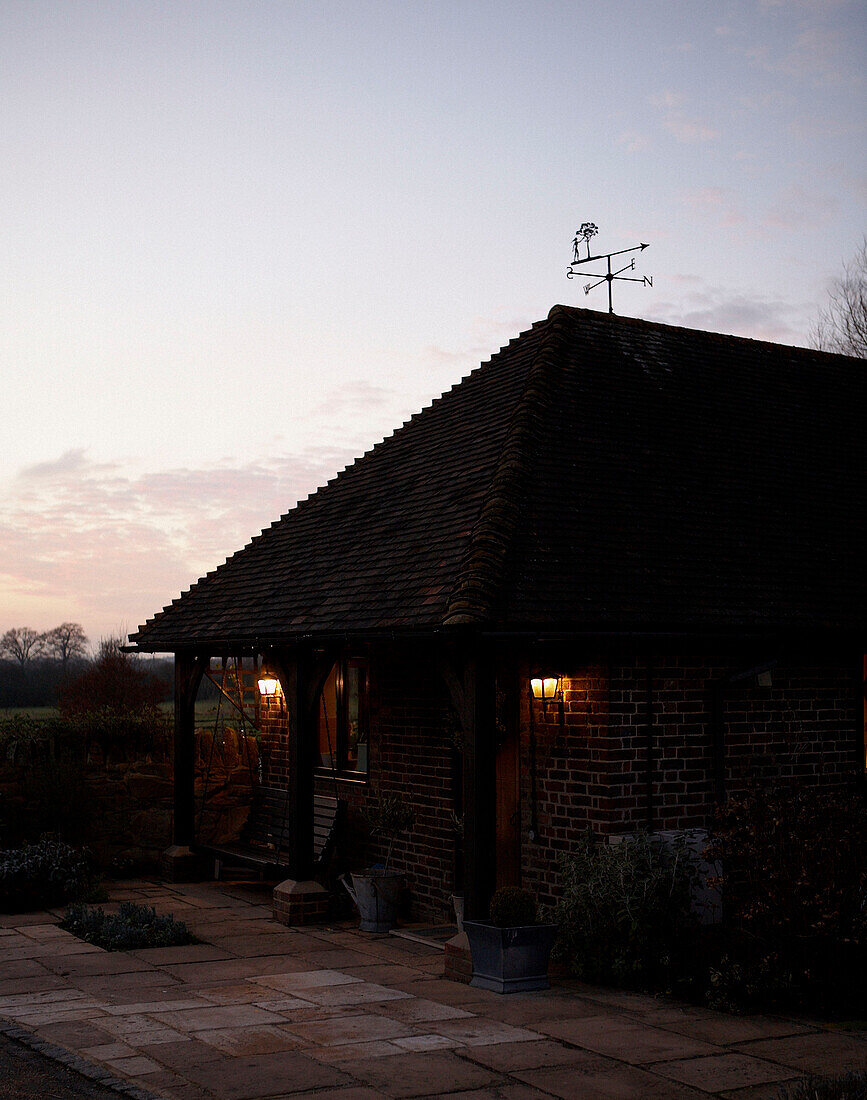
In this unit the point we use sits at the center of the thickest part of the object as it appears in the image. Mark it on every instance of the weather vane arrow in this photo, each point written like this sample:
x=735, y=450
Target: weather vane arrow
x=586, y=231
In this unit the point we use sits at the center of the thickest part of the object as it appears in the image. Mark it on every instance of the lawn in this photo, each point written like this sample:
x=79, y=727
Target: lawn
x=205, y=710
x=29, y=712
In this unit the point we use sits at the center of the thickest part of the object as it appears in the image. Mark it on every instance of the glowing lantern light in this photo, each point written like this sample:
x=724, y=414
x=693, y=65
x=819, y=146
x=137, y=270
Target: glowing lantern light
x=546, y=688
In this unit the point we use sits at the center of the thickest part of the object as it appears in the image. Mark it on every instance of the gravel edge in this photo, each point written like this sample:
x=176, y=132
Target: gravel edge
x=75, y=1062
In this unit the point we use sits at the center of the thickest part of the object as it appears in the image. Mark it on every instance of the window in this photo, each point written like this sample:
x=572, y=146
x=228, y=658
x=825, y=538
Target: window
x=343, y=718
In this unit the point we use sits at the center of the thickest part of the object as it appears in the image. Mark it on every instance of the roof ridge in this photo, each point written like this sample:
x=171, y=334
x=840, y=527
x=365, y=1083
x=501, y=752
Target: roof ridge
x=482, y=571
x=620, y=319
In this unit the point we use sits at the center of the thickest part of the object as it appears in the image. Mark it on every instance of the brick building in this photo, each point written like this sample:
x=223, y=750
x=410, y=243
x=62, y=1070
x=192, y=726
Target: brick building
x=668, y=524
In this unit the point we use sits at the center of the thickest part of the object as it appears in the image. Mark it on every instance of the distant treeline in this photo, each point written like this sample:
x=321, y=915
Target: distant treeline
x=38, y=683
x=34, y=666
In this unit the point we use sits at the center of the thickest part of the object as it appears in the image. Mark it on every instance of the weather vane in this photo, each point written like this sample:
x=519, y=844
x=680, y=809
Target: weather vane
x=583, y=234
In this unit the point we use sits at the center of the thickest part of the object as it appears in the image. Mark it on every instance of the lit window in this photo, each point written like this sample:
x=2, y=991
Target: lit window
x=343, y=718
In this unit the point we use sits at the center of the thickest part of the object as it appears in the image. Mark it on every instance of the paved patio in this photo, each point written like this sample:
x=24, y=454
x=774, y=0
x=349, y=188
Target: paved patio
x=259, y=1010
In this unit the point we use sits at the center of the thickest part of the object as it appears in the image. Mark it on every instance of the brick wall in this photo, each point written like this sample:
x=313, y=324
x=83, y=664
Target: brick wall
x=411, y=754
x=593, y=770
x=573, y=760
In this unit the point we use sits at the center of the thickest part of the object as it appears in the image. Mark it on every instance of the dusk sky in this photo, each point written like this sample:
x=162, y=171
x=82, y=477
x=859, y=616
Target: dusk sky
x=243, y=241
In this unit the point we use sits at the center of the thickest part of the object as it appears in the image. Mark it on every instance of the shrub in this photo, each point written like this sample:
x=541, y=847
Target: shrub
x=56, y=799
x=117, y=732
x=20, y=732
x=44, y=874
x=841, y=1086
x=795, y=861
x=131, y=928
x=624, y=912
x=512, y=907
x=794, y=884
x=388, y=815
x=115, y=683
x=115, y=703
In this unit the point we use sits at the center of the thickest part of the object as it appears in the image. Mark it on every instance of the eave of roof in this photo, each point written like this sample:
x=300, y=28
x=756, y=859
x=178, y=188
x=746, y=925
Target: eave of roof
x=547, y=490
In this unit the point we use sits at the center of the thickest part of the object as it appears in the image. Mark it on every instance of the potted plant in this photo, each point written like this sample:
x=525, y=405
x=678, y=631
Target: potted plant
x=376, y=890
x=510, y=952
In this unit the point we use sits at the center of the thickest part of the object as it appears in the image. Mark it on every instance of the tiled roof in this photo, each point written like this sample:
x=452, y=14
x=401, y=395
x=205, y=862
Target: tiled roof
x=598, y=473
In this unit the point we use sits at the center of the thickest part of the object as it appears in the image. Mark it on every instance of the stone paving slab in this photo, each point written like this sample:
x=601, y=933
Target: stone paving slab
x=124, y=989
x=730, y=1030
x=266, y=1039
x=265, y=1011
x=192, y=952
x=498, y=1092
x=14, y=921
x=724, y=1071
x=419, y=1010
x=477, y=1032
x=95, y=963
x=306, y=979
x=342, y=1030
x=430, y=1072
x=819, y=1052
x=203, y=972
x=30, y=1074
x=37, y=982
x=216, y=1016
x=625, y=1039
x=393, y=974
x=262, y=1075
x=23, y=968
x=530, y=1054
x=596, y=1078
x=76, y=1035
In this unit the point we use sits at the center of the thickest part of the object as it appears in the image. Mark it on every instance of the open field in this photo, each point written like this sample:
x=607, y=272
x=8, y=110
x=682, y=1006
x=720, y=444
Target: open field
x=29, y=712
x=205, y=711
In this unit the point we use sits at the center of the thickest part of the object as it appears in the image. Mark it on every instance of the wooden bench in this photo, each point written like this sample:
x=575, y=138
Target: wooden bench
x=264, y=838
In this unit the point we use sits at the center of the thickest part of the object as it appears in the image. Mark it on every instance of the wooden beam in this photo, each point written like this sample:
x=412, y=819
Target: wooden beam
x=473, y=691
x=301, y=676
x=189, y=670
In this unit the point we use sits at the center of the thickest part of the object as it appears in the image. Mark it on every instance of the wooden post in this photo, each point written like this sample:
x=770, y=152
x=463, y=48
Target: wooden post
x=480, y=789
x=300, y=900
x=472, y=686
x=302, y=676
x=293, y=670
x=179, y=860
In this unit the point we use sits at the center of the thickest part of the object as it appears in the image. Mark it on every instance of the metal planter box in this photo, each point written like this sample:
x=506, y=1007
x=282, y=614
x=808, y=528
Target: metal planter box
x=510, y=960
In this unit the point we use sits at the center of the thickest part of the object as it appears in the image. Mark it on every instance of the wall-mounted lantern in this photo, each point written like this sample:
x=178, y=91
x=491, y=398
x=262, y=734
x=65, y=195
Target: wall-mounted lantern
x=548, y=690
x=268, y=685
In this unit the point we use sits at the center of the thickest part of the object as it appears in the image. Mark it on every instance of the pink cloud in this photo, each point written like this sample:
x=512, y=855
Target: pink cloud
x=633, y=141
x=485, y=335
x=103, y=545
x=813, y=54
x=716, y=309
x=717, y=203
x=796, y=208
x=689, y=129
x=676, y=120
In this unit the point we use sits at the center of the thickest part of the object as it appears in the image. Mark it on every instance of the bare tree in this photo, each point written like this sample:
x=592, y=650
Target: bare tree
x=21, y=644
x=65, y=642
x=842, y=325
